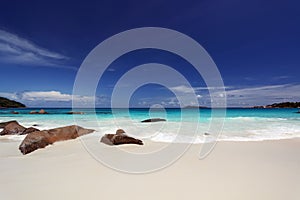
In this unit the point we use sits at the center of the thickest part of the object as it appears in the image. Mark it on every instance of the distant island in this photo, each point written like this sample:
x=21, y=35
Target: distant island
x=7, y=103
x=195, y=107
x=281, y=105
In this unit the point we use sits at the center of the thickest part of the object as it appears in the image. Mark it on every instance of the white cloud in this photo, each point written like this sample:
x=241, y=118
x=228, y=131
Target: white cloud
x=250, y=96
x=186, y=89
x=183, y=89
x=53, y=96
x=263, y=95
x=17, y=50
x=247, y=96
x=45, y=96
x=111, y=70
x=56, y=99
x=8, y=95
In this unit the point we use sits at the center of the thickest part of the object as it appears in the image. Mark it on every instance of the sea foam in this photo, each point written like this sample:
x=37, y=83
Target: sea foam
x=239, y=124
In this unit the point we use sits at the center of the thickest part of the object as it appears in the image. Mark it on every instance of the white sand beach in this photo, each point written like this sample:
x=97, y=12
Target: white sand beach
x=234, y=170
x=114, y=92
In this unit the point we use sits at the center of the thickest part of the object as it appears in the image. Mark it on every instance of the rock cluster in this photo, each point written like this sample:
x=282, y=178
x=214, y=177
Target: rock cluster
x=119, y=138
x=42, y=111
x=36, y=139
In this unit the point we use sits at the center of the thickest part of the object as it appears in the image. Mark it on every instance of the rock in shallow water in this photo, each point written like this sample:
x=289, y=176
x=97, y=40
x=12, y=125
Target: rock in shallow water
x=3, y=124
x=42, y=111
x=75, y=113
x=14, y=128
x=41, y=139
x=119, y=138
x=154, y=120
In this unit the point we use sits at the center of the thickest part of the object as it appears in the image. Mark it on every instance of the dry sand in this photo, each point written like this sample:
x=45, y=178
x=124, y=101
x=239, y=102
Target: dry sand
x=234, y=170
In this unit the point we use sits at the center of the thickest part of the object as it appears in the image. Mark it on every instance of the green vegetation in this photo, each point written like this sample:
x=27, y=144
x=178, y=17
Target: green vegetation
x=6, y=103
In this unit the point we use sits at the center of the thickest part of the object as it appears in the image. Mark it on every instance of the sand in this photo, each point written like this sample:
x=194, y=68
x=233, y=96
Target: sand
x=234, y=170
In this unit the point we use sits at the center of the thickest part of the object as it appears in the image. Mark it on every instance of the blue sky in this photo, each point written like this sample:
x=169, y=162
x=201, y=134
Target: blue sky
x=255, y=45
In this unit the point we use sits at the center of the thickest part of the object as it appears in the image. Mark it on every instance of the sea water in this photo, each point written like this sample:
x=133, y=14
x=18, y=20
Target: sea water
x=182, y=125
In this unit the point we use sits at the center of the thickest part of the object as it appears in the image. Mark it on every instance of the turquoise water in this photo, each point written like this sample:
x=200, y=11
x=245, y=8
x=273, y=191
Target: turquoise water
x=181, y=125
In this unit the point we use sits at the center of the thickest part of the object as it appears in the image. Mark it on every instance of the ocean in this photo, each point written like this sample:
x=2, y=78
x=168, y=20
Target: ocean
x=182, y=125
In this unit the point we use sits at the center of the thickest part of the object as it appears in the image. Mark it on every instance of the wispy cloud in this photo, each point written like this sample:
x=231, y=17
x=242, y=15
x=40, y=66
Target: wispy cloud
x=281, y=77
x=154, y=101
x=247, y=96
x=111, y=69
x=185, y=89
x=9, y=95
x=263, y=95
x=18, y=50
x=242, y=96
x=55, y=98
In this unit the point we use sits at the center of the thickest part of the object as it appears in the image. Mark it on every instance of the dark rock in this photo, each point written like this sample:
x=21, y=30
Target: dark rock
x=29, y=130
x=76, y=113
x=35, y=125
x=258, y=107
x=120, y=132
x=13, y=128
x=3, y=124
x=41, y=139
x=14, y=112
x=119, y=138
x=34, y=141
x=154, y=120
x=107, y=139
x=206, y=134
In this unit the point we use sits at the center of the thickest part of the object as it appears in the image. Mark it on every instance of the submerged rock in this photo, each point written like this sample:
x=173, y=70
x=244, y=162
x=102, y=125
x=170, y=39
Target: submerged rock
x=119, y=138
x=76, y=113
x=42, y=111
x=41, y=139
x=154, y=120
x=14, y=112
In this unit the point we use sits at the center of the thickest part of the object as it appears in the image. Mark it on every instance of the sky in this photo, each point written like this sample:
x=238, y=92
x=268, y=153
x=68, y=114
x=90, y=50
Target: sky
x=255, y=45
